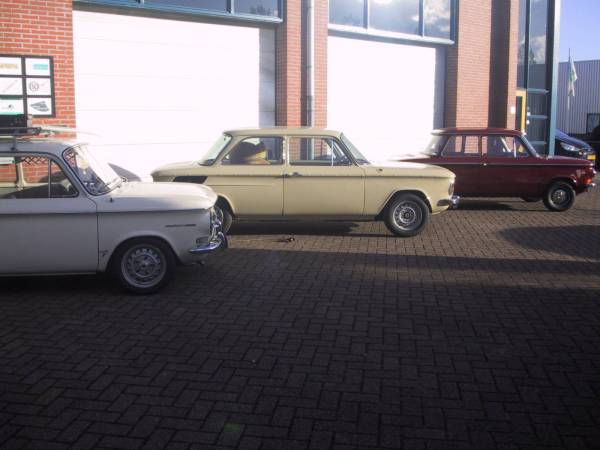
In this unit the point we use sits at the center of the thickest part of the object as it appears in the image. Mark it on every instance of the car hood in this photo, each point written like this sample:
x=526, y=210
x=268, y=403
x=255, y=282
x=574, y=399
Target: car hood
x=566, y=160
x=176, y=166
x=141, y=196
x=408, y=169
x=564, y=137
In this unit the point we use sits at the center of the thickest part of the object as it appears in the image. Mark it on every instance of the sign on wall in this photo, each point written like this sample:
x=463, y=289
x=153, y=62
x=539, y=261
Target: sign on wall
x=27, y=85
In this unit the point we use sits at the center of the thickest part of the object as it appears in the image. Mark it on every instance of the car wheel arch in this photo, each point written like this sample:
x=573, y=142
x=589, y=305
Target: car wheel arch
x=572, y=182
x=394, y=195
x=224, y=203
x=128, y=239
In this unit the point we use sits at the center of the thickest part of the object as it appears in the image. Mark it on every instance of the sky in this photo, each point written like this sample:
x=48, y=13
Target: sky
x=580, y=29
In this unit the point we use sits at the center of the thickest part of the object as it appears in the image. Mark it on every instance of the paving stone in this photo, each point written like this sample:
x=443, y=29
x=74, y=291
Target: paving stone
x=482, y=332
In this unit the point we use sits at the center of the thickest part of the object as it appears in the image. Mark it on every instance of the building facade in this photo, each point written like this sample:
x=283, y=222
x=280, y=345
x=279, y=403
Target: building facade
x=158, y=80
x=582, y=115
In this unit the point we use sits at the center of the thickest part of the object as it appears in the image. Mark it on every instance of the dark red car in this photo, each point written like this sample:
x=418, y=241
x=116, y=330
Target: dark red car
x=495, y=162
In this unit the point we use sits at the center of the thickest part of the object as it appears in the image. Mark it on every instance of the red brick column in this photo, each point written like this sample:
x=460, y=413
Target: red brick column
x=33, y=27
x=468, y=66
x=289, y=66
x=503, y=64
x=321, y=35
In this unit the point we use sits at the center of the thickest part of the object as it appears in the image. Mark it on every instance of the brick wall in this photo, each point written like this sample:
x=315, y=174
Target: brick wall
x=321, y=35
x=503, y=62
x=289, y=66
x=34, y=27
x=468, y=66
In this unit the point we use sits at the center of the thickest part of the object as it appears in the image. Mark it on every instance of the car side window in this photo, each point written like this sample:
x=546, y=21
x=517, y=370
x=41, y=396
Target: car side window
x=316, y=151
x=33, y=176
x=256, y=151
x=503, y=147
x=458, y=146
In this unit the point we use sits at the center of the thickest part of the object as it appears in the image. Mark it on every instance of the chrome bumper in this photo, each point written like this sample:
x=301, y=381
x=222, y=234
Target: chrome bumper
x=219, y=241
x=452, y=202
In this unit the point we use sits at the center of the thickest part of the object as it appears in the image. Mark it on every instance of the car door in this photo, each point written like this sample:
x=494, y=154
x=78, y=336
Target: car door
x=461, y=154
x=250, y=176
x=321, y=179
x=508, y=169
x=46, y=225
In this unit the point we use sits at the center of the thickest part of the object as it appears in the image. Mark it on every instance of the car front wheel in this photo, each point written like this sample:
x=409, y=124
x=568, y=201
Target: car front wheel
x=560, y=196
x=143, y=265
x=406, y=215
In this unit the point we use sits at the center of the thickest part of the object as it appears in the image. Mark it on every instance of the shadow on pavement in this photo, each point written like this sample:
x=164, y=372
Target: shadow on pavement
x=582, y=241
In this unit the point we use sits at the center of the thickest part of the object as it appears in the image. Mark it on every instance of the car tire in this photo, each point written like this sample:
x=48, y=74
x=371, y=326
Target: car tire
x=531, y=199
x=559, y=197
x=225, y=217
x=406, y=215
x=143, y=265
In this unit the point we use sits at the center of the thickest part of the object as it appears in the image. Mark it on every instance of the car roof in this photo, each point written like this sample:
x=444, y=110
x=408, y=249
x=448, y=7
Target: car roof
x=482, y=131
x=284, y=131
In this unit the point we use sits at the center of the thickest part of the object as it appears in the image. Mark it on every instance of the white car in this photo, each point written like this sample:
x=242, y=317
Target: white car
x=62, y=211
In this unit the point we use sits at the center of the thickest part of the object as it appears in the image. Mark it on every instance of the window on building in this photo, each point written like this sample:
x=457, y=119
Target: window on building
x=401, y=16
x=593, y=125
x=420, y=18
x=344, y=12
x=214, y=5
x=436, y=18
x=259, y=8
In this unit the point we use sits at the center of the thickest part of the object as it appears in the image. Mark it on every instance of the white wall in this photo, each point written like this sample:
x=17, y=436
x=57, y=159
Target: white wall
x=159, y=91
x=386, y=97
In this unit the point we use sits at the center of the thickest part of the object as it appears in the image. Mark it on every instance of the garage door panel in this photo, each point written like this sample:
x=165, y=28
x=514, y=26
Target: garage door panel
x=390, y=101
x=142, y=81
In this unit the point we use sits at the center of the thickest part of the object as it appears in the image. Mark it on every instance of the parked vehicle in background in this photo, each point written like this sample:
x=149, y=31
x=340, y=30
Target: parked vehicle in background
x=299, y=173
x=63, y=211
x=495, y=162
x=573, y=147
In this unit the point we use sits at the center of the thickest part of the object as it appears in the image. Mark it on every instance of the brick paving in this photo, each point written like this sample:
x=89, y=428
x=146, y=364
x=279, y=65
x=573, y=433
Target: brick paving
x=483, y=332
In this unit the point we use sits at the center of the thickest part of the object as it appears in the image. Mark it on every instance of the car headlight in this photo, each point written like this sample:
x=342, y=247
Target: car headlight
x=569, y=147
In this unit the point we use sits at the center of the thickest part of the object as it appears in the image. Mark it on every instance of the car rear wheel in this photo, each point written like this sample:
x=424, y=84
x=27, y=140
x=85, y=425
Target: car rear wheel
x=406, y=215
x=531, y=199
x=225, y=217
x=143, y=265
x=560, y=196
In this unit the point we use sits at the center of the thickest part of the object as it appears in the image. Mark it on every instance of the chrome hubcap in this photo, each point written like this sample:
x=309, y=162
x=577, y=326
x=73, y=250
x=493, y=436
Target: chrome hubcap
x=143, y=266
x=559, y=196
x=407, y=215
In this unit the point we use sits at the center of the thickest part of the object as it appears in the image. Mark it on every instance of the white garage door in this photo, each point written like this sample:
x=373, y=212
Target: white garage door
x=158, y=91
x=386, y=97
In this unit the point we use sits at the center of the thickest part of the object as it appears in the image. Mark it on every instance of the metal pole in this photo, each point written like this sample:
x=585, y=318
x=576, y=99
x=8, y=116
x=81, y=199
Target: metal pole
x=310, y=63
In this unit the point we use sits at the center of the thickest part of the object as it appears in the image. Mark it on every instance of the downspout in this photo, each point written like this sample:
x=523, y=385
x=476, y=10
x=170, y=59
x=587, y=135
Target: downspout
x=310, y=63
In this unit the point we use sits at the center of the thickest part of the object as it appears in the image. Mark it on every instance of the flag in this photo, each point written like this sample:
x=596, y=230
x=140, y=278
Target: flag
x=572, y=78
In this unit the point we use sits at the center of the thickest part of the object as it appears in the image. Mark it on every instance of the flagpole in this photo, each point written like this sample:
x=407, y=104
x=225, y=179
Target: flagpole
x=569, y=98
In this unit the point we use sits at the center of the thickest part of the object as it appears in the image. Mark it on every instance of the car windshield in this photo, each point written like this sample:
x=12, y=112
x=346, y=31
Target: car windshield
x=358, y=156
x=96, y=175
x=435, y=145
x=213, y=152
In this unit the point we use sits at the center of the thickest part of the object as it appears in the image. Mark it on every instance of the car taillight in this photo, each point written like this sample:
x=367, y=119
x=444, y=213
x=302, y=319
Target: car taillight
x=588, y=180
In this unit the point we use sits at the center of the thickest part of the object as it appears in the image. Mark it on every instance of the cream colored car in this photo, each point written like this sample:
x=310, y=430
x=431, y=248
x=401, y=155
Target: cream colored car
x=63, y=211
x=301, y=173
